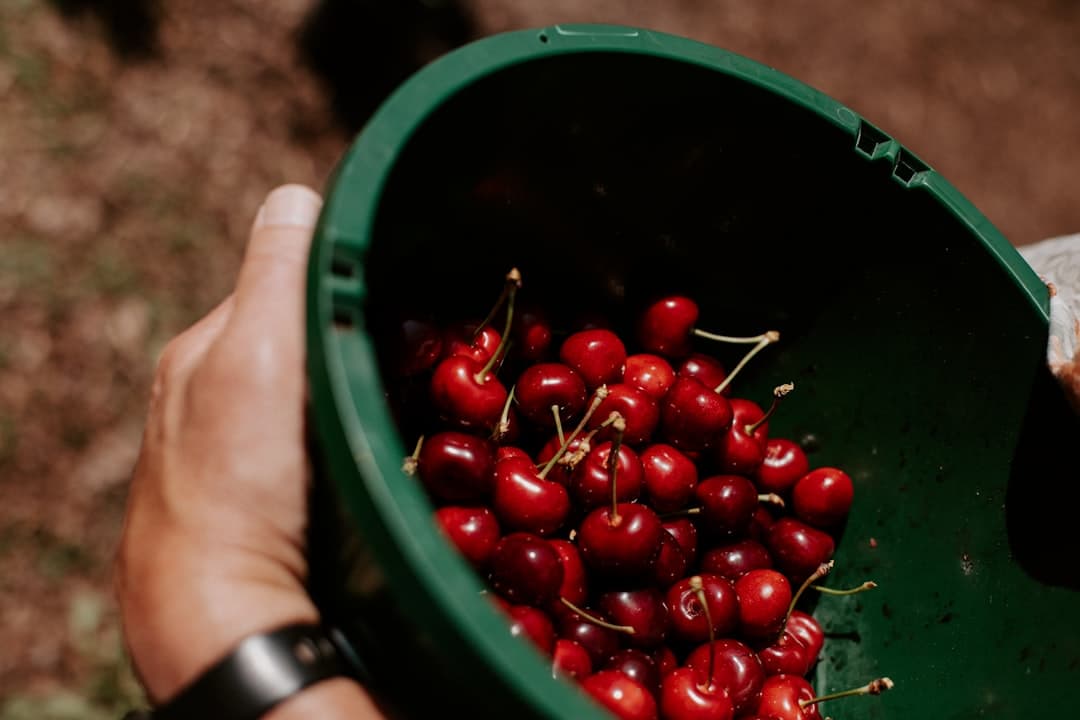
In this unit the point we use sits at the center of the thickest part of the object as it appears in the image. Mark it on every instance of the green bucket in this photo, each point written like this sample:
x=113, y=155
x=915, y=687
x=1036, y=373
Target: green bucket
x=611, y=164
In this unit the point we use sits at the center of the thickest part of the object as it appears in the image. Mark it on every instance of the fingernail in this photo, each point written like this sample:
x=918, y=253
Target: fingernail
x=294, y=205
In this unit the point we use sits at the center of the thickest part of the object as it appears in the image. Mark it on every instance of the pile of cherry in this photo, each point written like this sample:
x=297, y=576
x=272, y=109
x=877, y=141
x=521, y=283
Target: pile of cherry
x=635, y=521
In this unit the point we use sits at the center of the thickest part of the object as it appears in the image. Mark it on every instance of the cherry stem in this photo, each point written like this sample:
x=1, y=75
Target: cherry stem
x=595, y=620
x=728, y=338
x=511, y=293
x=513, y=280
x=771, y=498
x=558, y=425
x=503, y=425
x=874, y=687
x=699, y=591
x=409, y=465
x=601, y=393
x=823, y=569
x=767, y=339
x=779, y=393
x=619, y=423
x=868, y=585
x=681, y=513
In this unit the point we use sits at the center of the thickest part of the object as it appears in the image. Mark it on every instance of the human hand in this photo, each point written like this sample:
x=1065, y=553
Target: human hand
x=213, y=548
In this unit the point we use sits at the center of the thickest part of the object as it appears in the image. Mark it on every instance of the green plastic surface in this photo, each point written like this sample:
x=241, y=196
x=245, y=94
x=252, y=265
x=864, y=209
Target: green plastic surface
x=610, y=164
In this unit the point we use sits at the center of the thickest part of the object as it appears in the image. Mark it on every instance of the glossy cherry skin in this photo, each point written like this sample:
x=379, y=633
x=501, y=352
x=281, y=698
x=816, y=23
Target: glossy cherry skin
x=688, y=620
x=533, y=624
x=525, y=570
x=780, y=698
x=734, y=560
x=462, y=339
x=737, y=451
x=627, y=699
x=474, y=531
x=727, y=503
x=787, y=655
x=666, y=325
x=764, y=597
x=560, y=472
x=461, y=399
x=598, y=355
x=737, y=670
x=523, y=500
x=638, y=409
x=823, y=497
x=781, y=467
x=600, y=642
x=670, y=477
x=651, y=374
x=570, y=660
x=692, y=416
x=808, y=630
x=456, y=467
x=545, y=384
x=685, y=694
x=532, y=333
x=590, y=483
x=416, y=346
x=759, y=526
x=685, y=533
x=644, y=610
x=637, y=665
x=797, y=548
x=665, y=660
x=505, y=452
x=621, y=547
x=706, y=369
x=574, y=584
x=670, y=562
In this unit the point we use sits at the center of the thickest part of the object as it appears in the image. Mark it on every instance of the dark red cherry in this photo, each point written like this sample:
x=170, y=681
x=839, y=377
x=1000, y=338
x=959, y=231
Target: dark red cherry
x=525, y=501
x=474, y=531
x=738, y=451
x=415, y=347
x=651, y=374
x=707, y=370
x=666, y=326
x=533, y=624
x=532, y=333
x=456, y=467
x=798, y=549
x=670, y=562
x=625, y=698
x=689, y=621
x=525, y=569
x=670, y=477
x=781, y=698
x=736, y=669
x=643, y=610
x=590, y=483
x=598, y=355
x=685, y=533
x=763, y=520
x=665, y=660
x=823, y=497
x=560, y=472
x=505, y=452
x=547, y=384
x=465, y=394
x=727, y=503
x=638, y=409
x=734, y=560
x=570, y=660
x=787, y=655
x=638, y=665
x=686, y=694
x=693, y=416
x=622, y=545
x=600, y=642
x=808, y=630
x=764, y=597
x=463, y=339
x=783, y=464
x=574, y=587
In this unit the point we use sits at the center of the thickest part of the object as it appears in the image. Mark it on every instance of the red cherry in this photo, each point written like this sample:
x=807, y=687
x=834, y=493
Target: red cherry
x=416, y=345
x=547, y=384
x=532, y=334
x=598, y=355
x=764, y=597
x=456, y=467
x=693, y=416
x=689, y=621
x=643, y=610
x=651, y=374
x=670, y=562
x=823, y=496
x=787, y=655
x=474, y=531
x=600, y=642
x=505, y=452
x=637, y=665
x=705, y=369
x=570, y=660
x=463, y=339
x=763, y=520
x=666, y=326
x=463, y=391
x=525, y=569
x=781, y=696
x=734, y=560
x=783, y=464
x=670, y=477
x=560, y=472
x=523, y=500
x=627, y=699
x=798, y=549
x=808, y=631
x=685, y=533
x=736, y=669
x=591, y=480
x=665, y=660
x=573, y=586
x=727, y=503
x=740, y=452
x=533, y=624
x=622, y=544
x=638, y=409
x=686, y=695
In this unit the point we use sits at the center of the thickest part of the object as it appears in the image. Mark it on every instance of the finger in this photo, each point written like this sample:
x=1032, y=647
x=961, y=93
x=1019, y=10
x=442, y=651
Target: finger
x=185, y=350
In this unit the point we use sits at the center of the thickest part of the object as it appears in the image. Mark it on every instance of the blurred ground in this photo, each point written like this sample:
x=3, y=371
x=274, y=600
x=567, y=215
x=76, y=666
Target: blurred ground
x=138, y=136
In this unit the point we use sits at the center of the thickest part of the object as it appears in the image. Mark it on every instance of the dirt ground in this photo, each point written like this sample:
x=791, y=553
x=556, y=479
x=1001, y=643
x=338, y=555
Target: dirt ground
x=138, y=136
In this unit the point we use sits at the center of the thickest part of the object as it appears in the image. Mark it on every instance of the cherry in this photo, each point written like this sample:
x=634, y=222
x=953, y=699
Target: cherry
x=689, y=618
x=688, y=695
x=590, y=482
x=524, y=500
x=727, y=503
x=597, y=354
x=545, y=385
x=670, y=477
x=808, y=631
x=469, y=339
x=637, y=665
x=643, y=610
x=416, y=345
x=474, y=531
x=797, y=548
x=666, y=327
x=670, y=563
x=763, y=520
x=665, y=660
x=823, y=496
x=505, y=452
x=790, y=697
x=651, y=374
x=532, y=334
x=599, y=641
x=570, y=660
x=573, y=586
x=764, y=599
x=705, y=369
x=466, y=392
x=456, y=467
x=787, y=655
x=620, y=542
x=640, y=411
x=533, y=624
x=576, y=451
x=525, y=569
x=783, y=464
x=685, y=533
x=693, y=416
x=627, y=699
x=736, y=668
x=734, y=560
